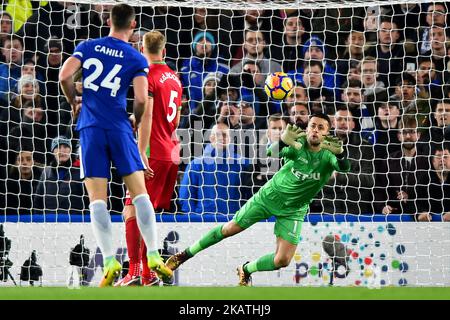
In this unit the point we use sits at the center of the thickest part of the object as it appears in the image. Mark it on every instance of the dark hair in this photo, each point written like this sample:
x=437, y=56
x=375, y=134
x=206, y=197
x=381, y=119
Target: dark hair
x=443, y=101
x=390, y=20
x=12, y=38
x=439, y=147
x=439, y=3
x=252, y=62
x=27, y=61
x=393, y=102
x=408, y=122
x=343, y=107
x=423, y=59
x=252, y=29
x=406, y=77
x=312, y=63
x=353, y=83
x=299, y=84
x=321, y=116
x=122, y=15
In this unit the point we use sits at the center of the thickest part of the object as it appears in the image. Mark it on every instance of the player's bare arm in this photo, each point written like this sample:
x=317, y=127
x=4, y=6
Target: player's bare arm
x=178, y=117
x=140, y=85
x=146, y=127
x=69, y=68
x=144, y=133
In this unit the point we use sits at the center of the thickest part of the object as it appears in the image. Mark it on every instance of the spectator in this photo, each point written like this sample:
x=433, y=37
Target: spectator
x=22, y=10
x=265, y=167
x=22, y=183
x=57, y=19
x=230, y=114
x=353, y=53
x=12, y=117
x=407, y=17
x=386, y=127
x=299, y=93
x=254, y=46
x=205, y=111
x=195, y=69
x=299, y=115
x=314, y=49
x=290, y=52
x=405, y=90
x=434, y=195
x=98, y=21
x=350, y=192
x=240, y=114
x=369, y=80
x=248, y=115
x=211, y=183
x=168, y=20
x=436, y=16
x=137, y=38
x=6, y=29
x=10, y=71
x=268, y=22
x=363, y=115
x=397, y=178
x=440, y=131
x=429, y=80
x=60, y=189
x=31, y=131
x=388, y=52
x=201, y=20
x=312, y=79
x=50, y=63
x=354, y=73
x=251, y=84
x=438, y=52
x=29, y=67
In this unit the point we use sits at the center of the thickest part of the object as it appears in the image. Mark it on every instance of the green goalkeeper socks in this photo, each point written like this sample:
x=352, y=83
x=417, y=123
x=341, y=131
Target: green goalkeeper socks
x=212, y=237
x=264, y=263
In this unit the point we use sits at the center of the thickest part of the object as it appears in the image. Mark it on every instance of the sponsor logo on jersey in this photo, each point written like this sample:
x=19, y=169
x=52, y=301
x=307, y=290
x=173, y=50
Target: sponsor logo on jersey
x=305, y=176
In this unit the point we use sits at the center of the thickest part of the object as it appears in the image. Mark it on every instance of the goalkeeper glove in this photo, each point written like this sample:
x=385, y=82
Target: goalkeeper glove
x=333, y=144
x=291, y=134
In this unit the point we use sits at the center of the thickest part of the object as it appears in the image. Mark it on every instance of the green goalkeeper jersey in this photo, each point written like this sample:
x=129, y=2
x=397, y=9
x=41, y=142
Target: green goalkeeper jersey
x=304, y=174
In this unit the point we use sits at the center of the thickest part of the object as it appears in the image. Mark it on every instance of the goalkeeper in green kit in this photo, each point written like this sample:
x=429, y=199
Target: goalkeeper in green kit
x=310, y=159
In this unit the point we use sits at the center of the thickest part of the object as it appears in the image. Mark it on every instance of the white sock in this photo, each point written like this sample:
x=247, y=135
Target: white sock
x=102, y=227
x=146, y=219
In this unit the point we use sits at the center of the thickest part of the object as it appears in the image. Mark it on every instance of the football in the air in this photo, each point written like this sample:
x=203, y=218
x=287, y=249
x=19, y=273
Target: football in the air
x=278, y=86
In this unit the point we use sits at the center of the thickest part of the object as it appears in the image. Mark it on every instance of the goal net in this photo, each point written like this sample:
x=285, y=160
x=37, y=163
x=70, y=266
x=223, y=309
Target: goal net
x=378, y=69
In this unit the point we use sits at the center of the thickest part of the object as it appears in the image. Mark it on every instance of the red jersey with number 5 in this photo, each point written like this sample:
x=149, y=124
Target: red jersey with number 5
x=165, y=87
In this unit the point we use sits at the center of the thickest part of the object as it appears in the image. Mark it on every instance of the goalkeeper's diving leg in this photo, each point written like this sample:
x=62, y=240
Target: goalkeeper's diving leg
x=286, y=230
x=212, y=237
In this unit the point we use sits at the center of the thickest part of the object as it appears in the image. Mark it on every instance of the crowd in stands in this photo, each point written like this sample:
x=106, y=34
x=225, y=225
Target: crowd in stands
x=382, y=74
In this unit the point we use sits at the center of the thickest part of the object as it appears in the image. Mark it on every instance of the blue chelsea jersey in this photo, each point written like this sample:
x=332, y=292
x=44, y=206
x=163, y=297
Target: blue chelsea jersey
x=109, y=67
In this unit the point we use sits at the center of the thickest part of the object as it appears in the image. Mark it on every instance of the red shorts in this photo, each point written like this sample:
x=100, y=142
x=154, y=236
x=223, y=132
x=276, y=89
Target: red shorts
x=160, y=187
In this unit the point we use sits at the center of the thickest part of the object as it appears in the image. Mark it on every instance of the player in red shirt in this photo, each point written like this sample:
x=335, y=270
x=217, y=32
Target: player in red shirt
x=162, y=155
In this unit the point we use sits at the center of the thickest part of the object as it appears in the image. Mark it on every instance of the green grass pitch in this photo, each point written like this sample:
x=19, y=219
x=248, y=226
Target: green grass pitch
x=224, y=293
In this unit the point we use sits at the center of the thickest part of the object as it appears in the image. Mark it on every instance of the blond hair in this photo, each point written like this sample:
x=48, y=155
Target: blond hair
x=154, y=42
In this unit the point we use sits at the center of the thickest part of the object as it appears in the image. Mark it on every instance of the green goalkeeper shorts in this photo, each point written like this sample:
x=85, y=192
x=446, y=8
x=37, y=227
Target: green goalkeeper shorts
x=265, y=204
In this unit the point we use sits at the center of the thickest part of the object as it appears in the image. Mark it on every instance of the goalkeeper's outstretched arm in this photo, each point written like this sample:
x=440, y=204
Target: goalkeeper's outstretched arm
x=289, y=137
x=342, y=163
x=275, y=149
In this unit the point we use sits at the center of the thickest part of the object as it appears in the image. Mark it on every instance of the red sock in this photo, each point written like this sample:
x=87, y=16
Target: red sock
x=145, y=268
x=133, y=237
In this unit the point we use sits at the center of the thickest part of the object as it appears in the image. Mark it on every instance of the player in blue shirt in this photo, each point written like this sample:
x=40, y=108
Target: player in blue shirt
x=109, y=66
